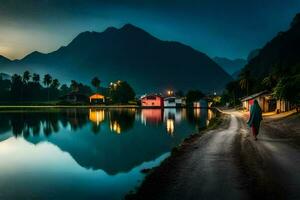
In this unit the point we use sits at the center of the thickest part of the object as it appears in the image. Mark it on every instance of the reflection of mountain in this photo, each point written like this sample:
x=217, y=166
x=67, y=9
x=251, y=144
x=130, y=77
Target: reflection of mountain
x=70, y=130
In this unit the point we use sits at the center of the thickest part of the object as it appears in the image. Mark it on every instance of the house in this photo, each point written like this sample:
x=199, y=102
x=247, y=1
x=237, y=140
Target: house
x=172, y=102
x=152, y=100
x=97, y=99
x=283, y=106
x=74, y=98
x=265, y=100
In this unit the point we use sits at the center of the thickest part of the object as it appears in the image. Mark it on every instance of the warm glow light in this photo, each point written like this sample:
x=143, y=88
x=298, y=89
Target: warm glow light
x=170, y=92
x=96, y=116
x=197, y=112
x=170, y=126
x=115, y=127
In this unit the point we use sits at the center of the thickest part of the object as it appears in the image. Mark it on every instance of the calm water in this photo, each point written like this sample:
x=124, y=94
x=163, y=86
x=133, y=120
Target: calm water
x=87, y=153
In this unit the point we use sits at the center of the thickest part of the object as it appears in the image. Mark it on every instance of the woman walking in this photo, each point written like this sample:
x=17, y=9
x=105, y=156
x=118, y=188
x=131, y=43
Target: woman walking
x=255, y=118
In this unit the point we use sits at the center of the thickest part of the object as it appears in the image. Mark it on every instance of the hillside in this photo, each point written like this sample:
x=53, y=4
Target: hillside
x=229, y=65
x=281, y=54
x=131, y=54
x=4, y=60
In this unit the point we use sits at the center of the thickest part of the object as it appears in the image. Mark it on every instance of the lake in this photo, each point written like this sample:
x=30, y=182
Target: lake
x=87, y=153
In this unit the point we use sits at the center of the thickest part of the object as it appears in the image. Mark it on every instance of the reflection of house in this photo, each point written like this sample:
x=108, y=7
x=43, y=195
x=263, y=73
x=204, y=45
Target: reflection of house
x=152, y=100
x=170, y=126
x=174, y=102
x=152, y=116
x=173, y=113
x=96, y=116
x=97, y=98
x=74, y=97
x=265, y=101
x=202, y=103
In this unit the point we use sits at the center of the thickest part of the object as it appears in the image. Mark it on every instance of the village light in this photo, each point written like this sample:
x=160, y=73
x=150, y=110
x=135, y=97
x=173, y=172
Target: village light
x=170, y=92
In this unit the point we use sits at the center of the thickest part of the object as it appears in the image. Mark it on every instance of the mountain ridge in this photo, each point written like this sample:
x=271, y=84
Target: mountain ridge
x=131, y=54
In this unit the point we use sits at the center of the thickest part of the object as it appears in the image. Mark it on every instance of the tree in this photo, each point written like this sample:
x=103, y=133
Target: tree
x=288, y=88
x=245, y=80
x=121, y=92
x=26, y=76
x=16, y=86
x=193, y=95
x=74, y=86
x=36, y=78
x=47, y=81
x=96, y=83
x=55, y=84
x=64, y=89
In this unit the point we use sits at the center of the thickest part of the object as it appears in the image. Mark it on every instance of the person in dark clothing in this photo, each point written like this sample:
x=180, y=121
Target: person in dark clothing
x=255, y=118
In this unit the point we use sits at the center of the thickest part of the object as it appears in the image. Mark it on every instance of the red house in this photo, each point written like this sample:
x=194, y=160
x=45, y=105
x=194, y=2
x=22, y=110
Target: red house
x=152, y=100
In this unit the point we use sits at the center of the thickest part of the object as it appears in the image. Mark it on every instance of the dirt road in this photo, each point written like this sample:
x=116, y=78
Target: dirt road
x=227, y=163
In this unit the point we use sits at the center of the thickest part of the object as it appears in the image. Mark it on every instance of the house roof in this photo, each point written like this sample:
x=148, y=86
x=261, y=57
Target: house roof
x=254, y=95
x=97, y=96
x=149, y=95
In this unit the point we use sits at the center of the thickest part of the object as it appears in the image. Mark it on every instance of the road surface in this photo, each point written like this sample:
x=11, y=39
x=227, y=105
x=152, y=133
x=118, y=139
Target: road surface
x=227, y=163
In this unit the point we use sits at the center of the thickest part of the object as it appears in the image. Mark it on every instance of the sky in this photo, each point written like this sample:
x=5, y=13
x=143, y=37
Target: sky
x=228, y=28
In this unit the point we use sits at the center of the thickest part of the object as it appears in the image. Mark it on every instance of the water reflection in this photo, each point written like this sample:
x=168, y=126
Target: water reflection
x=129, y=138
x=97, y=116
x=120, y=120
x=151, y=116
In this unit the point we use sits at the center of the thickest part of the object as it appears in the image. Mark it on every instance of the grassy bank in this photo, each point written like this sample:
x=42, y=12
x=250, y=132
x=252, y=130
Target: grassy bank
x=158, y=177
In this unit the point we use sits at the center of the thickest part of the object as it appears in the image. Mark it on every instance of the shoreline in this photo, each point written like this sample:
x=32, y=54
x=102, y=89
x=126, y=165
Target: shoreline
x=96, y=106
x=157, y=177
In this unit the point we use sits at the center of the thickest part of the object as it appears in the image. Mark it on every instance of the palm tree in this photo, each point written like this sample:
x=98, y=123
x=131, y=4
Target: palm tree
x=36, y=78
x=47, y=81
x=245, y=80
x=55, y=84
x=26, y=76
x=96, y=83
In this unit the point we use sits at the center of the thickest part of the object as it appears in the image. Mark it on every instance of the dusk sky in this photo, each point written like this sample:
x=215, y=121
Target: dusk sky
x=218, y=28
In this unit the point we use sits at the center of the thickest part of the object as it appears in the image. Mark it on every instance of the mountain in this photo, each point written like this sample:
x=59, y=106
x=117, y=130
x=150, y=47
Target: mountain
x=253, y=54
x=280, y=54
x=131, y=54
x=4, y=60
x=230, y=66
x=4, y=76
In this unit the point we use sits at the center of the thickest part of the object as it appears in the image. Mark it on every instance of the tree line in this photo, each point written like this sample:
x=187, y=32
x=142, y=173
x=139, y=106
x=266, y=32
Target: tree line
x=282, y=82
x=32, y=87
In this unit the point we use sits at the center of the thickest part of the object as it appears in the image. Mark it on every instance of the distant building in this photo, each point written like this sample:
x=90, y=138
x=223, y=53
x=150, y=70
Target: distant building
x=97, y=99
x=173, y=102
x=74, y=97
x=152, y=100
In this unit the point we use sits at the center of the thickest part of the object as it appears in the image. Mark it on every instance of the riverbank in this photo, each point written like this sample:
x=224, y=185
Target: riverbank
x=159, y=178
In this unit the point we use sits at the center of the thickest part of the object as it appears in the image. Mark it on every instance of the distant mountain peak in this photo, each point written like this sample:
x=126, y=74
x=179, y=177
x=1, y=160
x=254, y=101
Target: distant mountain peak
x=124, y=54
x=111, y=29
x=4, y=60
x=129, y=26
x=231, y=66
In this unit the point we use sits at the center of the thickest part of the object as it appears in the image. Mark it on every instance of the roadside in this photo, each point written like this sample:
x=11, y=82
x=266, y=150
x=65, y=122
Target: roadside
x=204, y=167
x=226, y=163
x=272, y=163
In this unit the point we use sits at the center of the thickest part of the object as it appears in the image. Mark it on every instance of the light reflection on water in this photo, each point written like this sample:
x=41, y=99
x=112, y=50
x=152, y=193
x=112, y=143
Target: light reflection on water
x=87, y=153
